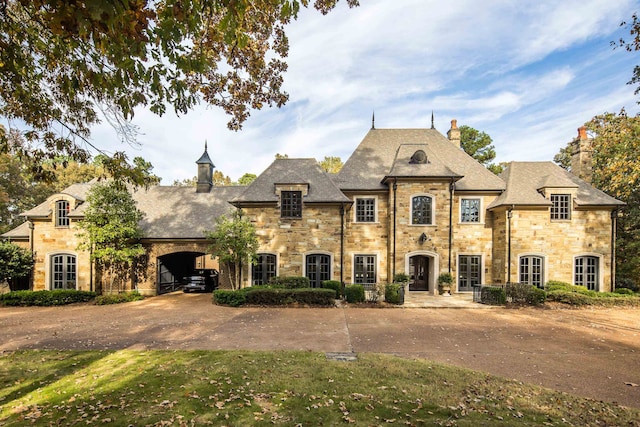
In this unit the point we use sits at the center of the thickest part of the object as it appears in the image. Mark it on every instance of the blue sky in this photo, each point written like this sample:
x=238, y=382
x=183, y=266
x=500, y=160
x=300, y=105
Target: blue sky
x=528, y=73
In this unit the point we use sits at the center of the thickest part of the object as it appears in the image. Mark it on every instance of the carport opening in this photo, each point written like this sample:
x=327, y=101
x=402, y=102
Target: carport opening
x=174, y=268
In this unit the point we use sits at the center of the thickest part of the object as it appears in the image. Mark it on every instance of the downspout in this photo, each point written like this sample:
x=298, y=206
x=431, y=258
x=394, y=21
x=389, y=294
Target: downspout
x=342, y=244
x=33, y=255
x=395, y=189
x=614, y=226
x=509, y=215
x=451, y=188
x=91, y=264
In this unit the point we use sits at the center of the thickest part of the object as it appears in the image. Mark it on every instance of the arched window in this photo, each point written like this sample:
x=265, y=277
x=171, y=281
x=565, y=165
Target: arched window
x=422, y=210
x=63, y=271
x=318, y=269
x=264, y=269
x=586, y=272
x=62, y=213
x=532, y=270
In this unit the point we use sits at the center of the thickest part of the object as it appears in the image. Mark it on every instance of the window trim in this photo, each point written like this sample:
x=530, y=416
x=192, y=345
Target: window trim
x=543, y=273
x=62, y=206
x=480, y=268
x=598, y=283
x=52, y=272
x=273, y=254
x=376, y=265
x=557, y=210
x=433, y=209
x=375, y=209
x=314, y=253
x=290, y=205
x=480, y=206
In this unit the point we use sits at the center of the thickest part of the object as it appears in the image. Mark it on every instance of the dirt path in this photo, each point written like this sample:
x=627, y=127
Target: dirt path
x=593, y=353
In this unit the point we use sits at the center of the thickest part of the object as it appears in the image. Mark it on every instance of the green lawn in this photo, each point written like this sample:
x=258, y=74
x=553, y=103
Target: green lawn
x=240, y=388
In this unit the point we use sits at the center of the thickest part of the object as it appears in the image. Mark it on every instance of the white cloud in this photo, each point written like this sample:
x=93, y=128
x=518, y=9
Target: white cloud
x=528, y=73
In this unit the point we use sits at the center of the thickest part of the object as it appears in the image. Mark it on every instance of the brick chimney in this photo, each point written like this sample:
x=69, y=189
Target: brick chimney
x=581, y=155
x=454, y=133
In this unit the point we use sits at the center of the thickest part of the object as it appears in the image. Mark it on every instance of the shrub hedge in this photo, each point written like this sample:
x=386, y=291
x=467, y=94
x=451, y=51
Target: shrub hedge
x=393, y=293
x=336, y=285
x=291, y=282
x=354, y=293
x=579, y=295
x=524, y=294
x=493, y=295
x=118, y=298
x=627, y=283
x=624, y=291
x=45, y=298
x=229, y=297
x=279, y=296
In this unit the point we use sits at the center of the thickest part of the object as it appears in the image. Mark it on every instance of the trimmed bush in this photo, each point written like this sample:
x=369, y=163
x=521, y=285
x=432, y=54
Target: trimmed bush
x=230, y=298
x=118, y=298
x=603, y=299
x=293, y=282
x=393, y=293
x=400, y=278
x=627, y=283
x=493, y=295
x=279, y=296
x=624, y=291
x=354, y=293
x=553, y=285
x=45, y=298
x=336, y=285
x=524, y=294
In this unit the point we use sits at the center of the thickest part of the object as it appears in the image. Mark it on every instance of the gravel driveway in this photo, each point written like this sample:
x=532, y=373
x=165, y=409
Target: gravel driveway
x=591, y=352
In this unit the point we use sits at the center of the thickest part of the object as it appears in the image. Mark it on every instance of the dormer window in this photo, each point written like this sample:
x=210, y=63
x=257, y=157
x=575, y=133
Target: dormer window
x=419, y=158
x=291, y=204
x=561, y=207
x=62, y=213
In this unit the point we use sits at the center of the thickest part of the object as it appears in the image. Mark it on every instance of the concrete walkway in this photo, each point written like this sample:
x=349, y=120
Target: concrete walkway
x=417, y=299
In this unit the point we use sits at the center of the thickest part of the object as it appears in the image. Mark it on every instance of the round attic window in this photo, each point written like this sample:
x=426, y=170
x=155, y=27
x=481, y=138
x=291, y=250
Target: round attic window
x=419, y=157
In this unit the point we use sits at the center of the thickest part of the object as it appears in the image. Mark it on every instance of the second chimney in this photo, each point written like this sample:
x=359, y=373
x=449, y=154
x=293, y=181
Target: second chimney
x=454, y=133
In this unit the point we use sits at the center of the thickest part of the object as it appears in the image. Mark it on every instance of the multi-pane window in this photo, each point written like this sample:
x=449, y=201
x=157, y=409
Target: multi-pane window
x=318, y=268
x=62, y=213
x=63, y=271
x=468, y=272
x=586, y=272
x=532, y=270
x=422, y=210
x=264, y=269
x=365, y=209
x=470, y=210
x=560, y=206
x=291, y=204
x=364, y=269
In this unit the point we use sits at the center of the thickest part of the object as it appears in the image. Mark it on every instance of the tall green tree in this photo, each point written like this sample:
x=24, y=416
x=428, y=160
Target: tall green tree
x=331, y=164
x=64, y=64
x=110, y=230
x=15, y=262
x=234, y=242
x=616, y=171
x=479, y=145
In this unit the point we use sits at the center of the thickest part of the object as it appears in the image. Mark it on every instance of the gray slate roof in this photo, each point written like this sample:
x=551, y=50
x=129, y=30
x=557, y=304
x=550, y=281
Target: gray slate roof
x=525, y=179
x=20, y=232
x=171, y=212
x=386, y=153
x=293, y=171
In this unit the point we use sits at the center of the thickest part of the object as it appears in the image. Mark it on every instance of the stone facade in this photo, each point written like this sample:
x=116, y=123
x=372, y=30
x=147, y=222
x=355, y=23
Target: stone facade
x=480, y=228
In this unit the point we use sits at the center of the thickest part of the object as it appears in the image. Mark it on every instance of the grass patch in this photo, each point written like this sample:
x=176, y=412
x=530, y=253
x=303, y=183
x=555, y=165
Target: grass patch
x=118, y=298
x=164, y=388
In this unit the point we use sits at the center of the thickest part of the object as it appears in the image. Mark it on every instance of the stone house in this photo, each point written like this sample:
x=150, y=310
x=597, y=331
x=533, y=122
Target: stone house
x=406, y=201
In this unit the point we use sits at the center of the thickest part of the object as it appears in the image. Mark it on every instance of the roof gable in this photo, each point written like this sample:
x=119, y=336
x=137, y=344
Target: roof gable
x=386, y=153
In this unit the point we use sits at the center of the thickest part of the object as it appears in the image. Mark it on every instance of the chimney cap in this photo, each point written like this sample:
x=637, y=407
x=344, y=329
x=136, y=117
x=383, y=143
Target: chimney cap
x=582, y=132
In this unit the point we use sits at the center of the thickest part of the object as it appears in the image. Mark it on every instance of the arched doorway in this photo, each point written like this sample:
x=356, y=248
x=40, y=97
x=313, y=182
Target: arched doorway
x=421, y=267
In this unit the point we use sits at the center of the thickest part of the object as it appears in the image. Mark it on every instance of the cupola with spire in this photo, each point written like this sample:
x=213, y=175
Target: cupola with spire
x=205, y=172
